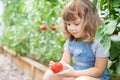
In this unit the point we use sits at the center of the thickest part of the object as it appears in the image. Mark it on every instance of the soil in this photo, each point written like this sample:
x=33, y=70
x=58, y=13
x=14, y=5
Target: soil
x=9, y=70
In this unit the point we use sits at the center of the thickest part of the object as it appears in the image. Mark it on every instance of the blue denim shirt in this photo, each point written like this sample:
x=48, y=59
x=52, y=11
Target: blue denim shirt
x=84, y=57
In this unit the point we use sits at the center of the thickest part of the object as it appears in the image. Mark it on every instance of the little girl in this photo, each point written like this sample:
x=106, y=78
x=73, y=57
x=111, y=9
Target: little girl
x=90, y=62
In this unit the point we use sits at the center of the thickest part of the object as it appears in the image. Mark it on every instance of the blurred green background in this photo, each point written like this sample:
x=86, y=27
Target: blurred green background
x=22, y=33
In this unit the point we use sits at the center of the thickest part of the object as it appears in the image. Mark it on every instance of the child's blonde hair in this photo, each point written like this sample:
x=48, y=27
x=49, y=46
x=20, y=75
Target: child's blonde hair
x=89, y=18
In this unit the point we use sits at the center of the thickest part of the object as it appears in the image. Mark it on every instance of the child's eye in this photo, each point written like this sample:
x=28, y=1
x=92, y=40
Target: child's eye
x=77, y=24
x=68, y=24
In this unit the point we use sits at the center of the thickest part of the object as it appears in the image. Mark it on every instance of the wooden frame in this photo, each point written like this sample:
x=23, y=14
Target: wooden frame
x=34, y=69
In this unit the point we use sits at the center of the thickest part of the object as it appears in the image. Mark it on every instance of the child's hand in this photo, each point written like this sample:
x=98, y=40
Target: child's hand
x=68, y=71
x=51, y=63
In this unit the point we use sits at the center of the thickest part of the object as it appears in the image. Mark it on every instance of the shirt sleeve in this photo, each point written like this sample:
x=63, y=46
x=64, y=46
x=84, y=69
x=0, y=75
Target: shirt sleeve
x=100, y=51
x=66, y=48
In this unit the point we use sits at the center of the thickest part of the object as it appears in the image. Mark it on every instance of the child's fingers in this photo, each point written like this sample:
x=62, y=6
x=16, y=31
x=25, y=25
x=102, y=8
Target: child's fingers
x=51, y=63
x=62, y=72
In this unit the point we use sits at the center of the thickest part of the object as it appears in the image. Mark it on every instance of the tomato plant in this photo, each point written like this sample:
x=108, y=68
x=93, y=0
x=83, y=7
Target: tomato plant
x=24, y=31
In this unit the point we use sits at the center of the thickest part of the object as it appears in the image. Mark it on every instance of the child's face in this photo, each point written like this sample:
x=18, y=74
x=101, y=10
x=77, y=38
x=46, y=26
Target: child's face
x=74, y=28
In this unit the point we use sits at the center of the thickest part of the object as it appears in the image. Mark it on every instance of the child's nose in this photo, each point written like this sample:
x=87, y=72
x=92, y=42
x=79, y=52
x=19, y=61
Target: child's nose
x=72, y=27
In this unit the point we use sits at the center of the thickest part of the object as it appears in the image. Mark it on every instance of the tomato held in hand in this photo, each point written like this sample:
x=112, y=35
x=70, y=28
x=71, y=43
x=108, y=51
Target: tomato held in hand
x=57, y=67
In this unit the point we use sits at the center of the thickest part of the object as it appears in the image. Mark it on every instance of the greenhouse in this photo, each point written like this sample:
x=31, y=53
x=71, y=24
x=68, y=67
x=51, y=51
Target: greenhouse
x=63, y=36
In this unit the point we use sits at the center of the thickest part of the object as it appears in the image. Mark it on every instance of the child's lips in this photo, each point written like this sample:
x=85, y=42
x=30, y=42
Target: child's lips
x=74, y=33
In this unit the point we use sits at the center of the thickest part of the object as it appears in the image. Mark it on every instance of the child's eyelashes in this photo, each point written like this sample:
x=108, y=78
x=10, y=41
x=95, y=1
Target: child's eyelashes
x=76, y=24
x=68, y=24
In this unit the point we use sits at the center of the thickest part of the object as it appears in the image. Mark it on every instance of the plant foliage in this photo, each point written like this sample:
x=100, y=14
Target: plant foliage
x=109, y=32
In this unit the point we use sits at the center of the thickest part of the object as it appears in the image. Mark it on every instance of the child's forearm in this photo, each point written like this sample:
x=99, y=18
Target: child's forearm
x=93, y=72
x=62, y=62
x=65, y=61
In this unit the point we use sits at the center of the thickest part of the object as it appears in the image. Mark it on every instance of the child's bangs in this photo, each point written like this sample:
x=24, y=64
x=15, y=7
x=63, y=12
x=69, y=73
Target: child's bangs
x=69, y=16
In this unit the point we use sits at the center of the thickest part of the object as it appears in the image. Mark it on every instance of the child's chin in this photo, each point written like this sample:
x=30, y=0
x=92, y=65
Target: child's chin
x=75, y=36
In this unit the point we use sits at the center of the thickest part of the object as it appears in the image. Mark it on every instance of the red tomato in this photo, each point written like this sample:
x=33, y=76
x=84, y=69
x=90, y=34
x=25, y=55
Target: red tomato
x=43, y=27
x=53, y=27
x=57, y=67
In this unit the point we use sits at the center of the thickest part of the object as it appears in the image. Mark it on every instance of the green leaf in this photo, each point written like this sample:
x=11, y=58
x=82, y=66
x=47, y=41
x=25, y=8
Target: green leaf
x=114, y=50
x=106, y=42
x=22, y=7
x=99, y=34
x=101, y=4
x=118, y=25
x=118, y=67
x=116, y=3
x=110, y=27
x=95, y=2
